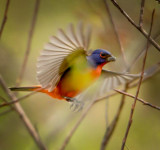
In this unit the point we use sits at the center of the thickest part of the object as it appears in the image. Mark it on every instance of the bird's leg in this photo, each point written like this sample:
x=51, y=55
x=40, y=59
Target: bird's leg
x=75, y=104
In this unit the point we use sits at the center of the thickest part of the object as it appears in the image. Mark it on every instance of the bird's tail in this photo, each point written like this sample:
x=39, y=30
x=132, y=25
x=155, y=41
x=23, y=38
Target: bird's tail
x=31, y=88
x=38, y=88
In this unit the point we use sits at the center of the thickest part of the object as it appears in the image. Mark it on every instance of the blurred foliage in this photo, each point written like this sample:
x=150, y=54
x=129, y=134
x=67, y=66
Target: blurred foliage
x=53, y=118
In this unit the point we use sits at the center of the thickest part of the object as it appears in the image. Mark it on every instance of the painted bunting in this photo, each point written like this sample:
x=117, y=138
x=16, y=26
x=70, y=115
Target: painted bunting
x=66, y=68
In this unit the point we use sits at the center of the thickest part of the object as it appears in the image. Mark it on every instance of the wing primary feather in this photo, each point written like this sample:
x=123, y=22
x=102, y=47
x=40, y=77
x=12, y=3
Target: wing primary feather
x=66, y=38
x=53, y=47
x=53, y=59
x=87, y=37
x=59, y=43
x=79, y=33
x=72, y=35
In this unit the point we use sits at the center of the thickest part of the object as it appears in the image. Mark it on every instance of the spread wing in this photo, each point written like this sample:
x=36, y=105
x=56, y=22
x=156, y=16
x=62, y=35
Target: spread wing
x=51, y=65
x=107, y=82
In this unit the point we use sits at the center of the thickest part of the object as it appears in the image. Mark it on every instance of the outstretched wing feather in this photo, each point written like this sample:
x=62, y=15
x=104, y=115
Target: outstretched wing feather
x=56, y=51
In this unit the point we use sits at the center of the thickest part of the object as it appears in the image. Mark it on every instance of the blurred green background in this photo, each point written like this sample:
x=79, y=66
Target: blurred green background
x=53, y=118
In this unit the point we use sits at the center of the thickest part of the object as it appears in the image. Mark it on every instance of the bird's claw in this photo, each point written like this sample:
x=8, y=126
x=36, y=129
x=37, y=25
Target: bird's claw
x=75, y=104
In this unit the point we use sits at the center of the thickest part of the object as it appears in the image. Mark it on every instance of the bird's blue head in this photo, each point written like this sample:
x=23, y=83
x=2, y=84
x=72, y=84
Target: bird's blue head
x=100, y=57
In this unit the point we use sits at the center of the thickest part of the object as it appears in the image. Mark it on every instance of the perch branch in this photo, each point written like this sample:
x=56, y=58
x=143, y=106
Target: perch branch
x=4, y=18
x=139, y=85
x=23, y=116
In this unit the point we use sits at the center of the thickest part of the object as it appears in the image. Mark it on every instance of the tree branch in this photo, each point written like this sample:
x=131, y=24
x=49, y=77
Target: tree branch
x=115, y=32
x=136, y=26
x=23, y=116
x=68, y=137
x=139, y=99
x=110, y=129
x=4, y=18
x=141, y=14
x=139, y=85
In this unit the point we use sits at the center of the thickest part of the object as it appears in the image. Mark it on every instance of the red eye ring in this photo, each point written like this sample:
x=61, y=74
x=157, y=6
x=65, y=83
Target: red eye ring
x=102, y=55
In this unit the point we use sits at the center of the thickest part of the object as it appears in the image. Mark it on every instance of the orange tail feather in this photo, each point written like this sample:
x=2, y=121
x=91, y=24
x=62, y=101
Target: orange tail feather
x=54, y=94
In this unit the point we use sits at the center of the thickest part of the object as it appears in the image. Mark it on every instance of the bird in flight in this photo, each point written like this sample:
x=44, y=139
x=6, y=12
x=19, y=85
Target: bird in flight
x=68, y=70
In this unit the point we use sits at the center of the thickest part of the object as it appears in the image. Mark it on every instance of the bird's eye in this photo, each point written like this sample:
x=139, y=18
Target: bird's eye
x=103, y=55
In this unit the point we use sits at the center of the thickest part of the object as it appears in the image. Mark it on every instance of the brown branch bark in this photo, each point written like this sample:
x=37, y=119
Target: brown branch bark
x=111, y=128
x=68, y=137
x=5, y=17
x=138, y=89
x=141, y=14
x=29, y=42
x=115, y=32
x=153, y=42
x=139, y=99
x=6, y=112
x=23, y=116
x=19, y=99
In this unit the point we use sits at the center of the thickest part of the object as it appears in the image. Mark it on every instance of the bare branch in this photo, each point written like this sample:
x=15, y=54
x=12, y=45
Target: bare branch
x=29, y=42
x=6, y=112
x=116, y=32
x=19, y=99
x=139, y=99
x=139, y=85
x=3, y=99
x=110, y=129
x=67, y=139
x=141, y=14
x=17, y=107
x=139, y=55
x=153, y=42
x=4, y=18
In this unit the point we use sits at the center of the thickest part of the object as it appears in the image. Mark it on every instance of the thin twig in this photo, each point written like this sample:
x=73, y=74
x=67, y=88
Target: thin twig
x=19, y=99
x=4, y=18
x=110, y=129
x=115, y=32
x=23, y=116
x=141, y=14
x=68, y=137
x=139, y=85
x=29, y=42
x=6, y=112
x=3, y=99
x=139, y=99
x=139, y=55
x=153, y=42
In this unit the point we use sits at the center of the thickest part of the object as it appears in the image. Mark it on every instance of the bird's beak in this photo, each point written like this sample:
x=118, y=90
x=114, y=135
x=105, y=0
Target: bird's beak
x=111, y=58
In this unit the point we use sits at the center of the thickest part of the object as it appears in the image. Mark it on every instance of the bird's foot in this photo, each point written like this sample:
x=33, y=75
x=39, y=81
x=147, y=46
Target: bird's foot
x=75, y=104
